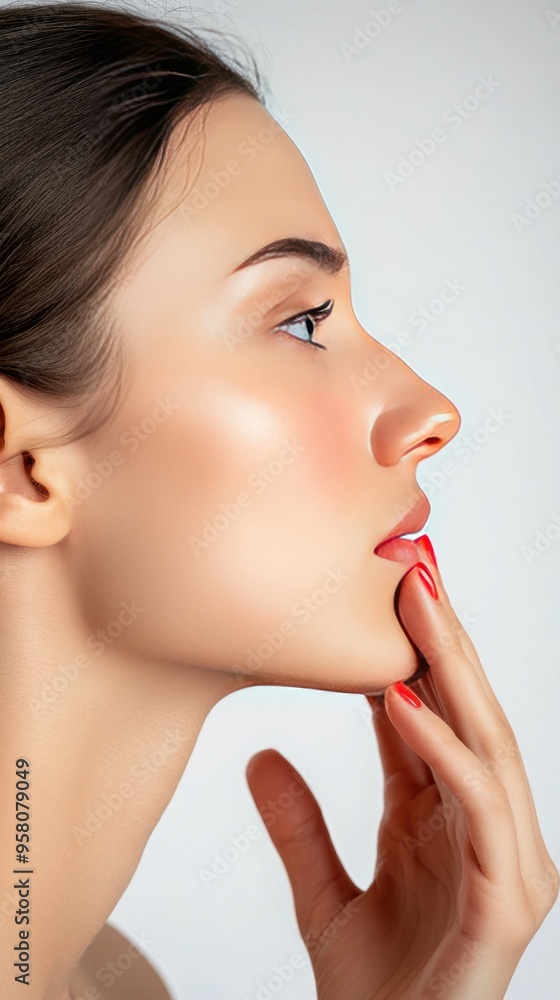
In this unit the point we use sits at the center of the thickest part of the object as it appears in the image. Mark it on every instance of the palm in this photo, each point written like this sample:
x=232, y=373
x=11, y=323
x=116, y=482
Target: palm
x=463, y=878
x=414, y=893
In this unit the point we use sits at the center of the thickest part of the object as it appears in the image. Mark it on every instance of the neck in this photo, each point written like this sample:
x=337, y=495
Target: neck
x=107, y=736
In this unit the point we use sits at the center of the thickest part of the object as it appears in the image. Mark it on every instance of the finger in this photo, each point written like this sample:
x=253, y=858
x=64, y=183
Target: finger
x=469, y=712
x=453, y=678
x=321, y=886
x=404, y=772
x=425, y=549
x=485, y=804
x=425, y=687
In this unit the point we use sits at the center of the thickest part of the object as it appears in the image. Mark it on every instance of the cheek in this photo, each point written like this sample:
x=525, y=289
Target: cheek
x=329, y=427
x=304, y=502
x=301, y=455
x=269, y=489
x=229, y=513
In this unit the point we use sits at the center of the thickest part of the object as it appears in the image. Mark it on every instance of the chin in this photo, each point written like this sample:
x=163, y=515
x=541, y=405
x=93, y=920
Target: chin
x=414, y=670
x=371, y=670
x=405, y=663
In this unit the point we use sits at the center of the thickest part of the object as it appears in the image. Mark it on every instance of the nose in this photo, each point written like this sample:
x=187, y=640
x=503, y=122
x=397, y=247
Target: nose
x=415, y=419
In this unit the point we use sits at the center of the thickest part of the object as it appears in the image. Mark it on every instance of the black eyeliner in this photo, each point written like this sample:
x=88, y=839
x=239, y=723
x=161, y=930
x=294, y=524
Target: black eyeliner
x=317, y=312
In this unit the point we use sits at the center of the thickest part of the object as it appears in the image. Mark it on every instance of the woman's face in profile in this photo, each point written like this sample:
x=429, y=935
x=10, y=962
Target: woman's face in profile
x=240, y=488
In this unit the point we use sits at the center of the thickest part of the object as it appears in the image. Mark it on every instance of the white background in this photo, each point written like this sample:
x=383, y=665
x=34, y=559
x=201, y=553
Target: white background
x=497, y=347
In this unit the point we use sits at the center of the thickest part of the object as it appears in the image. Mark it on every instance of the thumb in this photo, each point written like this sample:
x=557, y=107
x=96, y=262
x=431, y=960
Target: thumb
x=320, y=884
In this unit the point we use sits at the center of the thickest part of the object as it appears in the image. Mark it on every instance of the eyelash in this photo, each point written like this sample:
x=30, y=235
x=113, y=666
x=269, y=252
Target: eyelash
x=315, y=316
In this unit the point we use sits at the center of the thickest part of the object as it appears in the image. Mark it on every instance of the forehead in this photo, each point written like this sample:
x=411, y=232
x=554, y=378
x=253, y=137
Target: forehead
x=234, y=180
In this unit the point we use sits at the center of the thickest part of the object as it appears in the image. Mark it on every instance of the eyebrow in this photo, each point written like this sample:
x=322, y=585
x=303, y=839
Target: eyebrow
x=327, y=258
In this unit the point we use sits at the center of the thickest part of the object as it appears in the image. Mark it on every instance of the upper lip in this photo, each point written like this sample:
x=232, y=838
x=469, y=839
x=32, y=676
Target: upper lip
x=414, y=520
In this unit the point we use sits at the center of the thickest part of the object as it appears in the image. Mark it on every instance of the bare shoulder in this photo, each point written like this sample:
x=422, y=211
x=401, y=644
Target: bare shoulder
x=112, y=961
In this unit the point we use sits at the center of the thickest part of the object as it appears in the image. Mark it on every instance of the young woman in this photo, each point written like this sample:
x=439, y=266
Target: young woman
x=175, y=318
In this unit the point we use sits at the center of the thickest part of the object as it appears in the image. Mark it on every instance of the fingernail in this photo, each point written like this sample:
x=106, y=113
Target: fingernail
x=427, y=549
x=407, y=694
x=427, y=579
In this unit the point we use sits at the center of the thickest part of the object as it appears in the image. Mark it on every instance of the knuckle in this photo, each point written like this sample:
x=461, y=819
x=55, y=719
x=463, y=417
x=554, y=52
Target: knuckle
x=554, y=878
x=511, y=926
x=506, y=747
x=493, y=793
x=548, y=887
x=522, y=926
x=502, y=747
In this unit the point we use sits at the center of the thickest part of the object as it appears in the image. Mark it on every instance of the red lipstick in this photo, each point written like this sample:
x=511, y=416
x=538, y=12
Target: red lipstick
x=400, y=549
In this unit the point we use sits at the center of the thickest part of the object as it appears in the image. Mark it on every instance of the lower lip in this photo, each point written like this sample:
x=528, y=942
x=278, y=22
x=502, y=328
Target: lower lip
x=401, y=550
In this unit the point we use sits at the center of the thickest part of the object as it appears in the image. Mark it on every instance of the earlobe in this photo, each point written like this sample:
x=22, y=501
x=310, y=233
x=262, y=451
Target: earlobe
x=33, y=508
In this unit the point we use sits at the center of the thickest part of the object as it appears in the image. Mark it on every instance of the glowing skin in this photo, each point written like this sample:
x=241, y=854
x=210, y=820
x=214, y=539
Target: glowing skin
x=342, y=456
x=324, y=456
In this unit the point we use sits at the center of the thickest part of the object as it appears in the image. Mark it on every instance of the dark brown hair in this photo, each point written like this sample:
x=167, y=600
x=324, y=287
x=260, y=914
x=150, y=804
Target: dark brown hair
x=89, y=97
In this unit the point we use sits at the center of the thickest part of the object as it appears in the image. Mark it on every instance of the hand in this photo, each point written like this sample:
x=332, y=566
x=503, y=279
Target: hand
x=463, y=879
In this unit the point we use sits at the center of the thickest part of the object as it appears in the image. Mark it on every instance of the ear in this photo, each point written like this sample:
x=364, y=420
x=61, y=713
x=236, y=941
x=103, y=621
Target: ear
x=34, y=510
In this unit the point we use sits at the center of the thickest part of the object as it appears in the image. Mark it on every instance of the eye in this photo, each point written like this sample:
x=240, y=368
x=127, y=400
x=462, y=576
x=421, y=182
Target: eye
x=308, y=321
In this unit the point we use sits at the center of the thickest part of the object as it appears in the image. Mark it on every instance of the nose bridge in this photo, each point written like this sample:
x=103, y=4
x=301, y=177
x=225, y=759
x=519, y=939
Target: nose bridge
x=407, y=416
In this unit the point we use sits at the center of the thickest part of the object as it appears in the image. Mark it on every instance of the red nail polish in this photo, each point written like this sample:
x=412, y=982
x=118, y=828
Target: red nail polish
x=427, y=549
x=427, y=579
x=407, y=694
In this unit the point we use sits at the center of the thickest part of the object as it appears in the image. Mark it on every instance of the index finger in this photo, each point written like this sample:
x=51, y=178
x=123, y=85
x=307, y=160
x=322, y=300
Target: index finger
x=426, y=551
x=405, y=773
